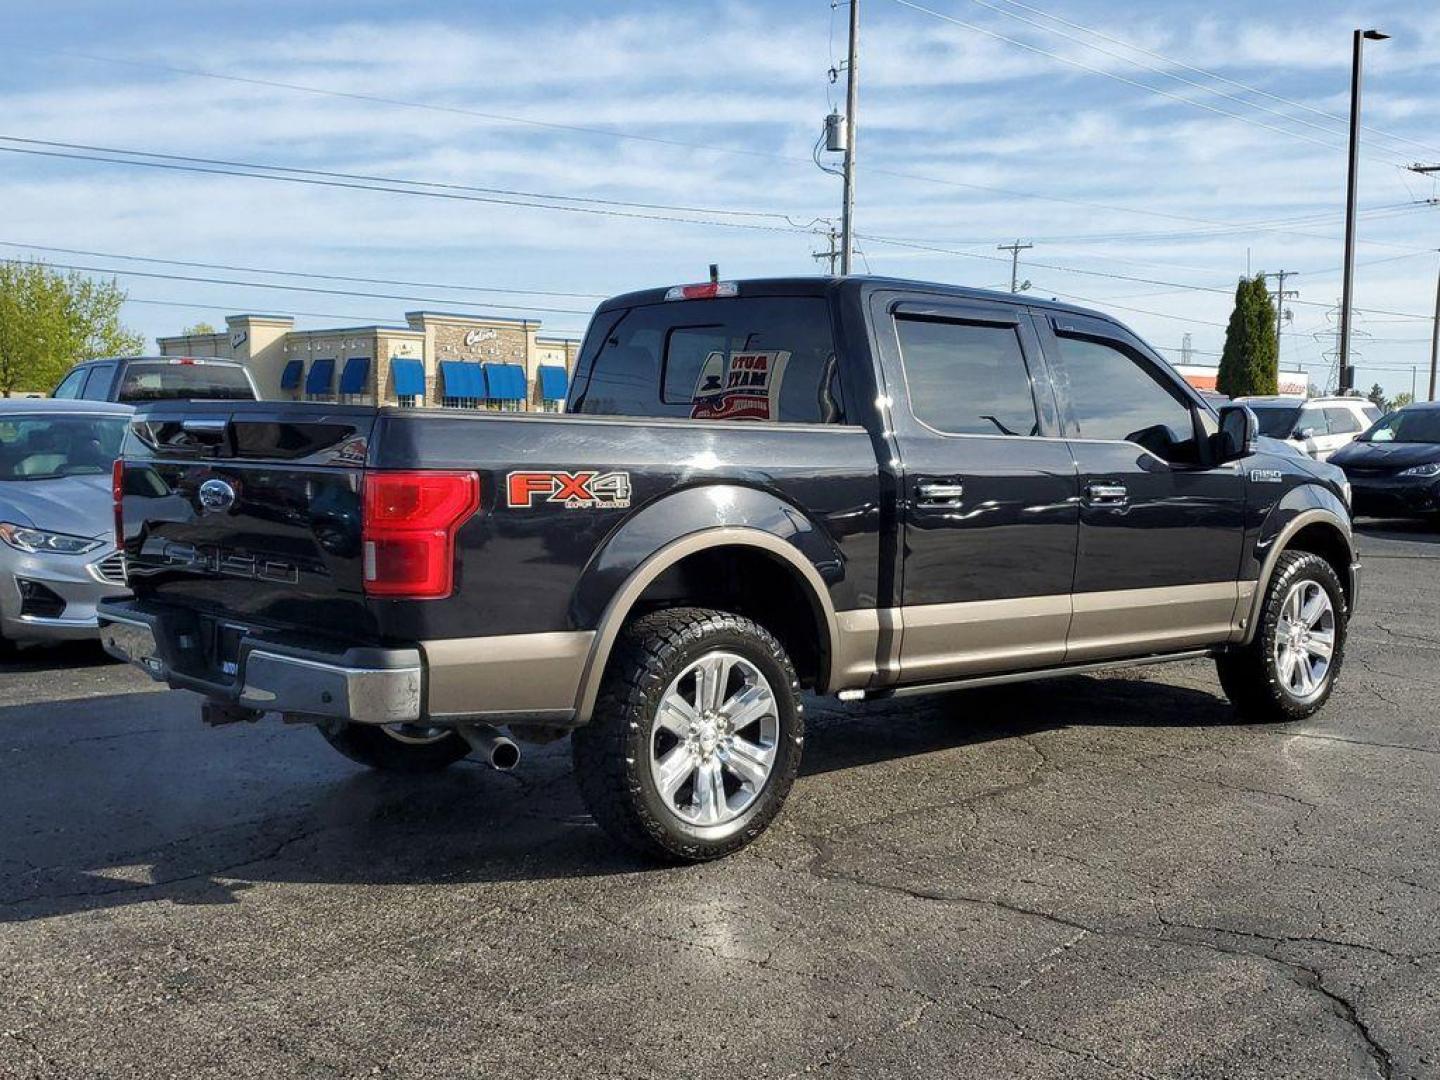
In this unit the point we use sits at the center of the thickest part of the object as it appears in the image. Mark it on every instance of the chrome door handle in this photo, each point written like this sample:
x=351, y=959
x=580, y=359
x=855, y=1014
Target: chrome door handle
x=1107, y=494
x=940, y=491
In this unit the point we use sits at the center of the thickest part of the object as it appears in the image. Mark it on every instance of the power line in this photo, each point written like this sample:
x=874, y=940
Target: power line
x=360, y=182
x=1395, y=155
x=609, y=133
x=1112, y=75
x=298, y=273
x=896, y=242
x=313, y=289
x=1336, y=117
x=378, y=320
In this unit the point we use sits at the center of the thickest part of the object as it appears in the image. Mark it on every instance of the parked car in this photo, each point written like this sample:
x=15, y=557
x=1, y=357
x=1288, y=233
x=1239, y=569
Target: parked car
x=133, y=379
x=1317, y=426
x=57, y=518
x=1394, y=468
x=863, y=487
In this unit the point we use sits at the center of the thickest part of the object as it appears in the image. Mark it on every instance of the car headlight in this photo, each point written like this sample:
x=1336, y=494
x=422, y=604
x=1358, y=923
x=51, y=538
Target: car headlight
x=1431, y=468
x=41, y=542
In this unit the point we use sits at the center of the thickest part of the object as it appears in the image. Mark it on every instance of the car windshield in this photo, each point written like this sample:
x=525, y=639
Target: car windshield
x=1276, y=421
x=163, y=381
x=48, y=447
x=1412, y=426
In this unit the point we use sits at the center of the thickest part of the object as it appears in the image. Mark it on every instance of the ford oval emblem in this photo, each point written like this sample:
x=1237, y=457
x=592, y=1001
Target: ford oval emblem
x=216, y=496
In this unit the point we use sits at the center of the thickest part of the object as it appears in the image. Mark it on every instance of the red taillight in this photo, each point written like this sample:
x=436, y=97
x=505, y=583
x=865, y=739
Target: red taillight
x=117, y=493
x=409, y=521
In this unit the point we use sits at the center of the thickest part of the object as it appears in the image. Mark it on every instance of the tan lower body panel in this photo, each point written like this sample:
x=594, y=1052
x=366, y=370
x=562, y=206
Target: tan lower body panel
x=517, y=673
x=981, y=636
x=1131, y=622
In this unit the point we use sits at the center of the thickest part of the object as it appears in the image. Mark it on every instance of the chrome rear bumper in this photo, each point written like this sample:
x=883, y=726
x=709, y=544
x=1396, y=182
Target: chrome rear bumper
x=374, y=686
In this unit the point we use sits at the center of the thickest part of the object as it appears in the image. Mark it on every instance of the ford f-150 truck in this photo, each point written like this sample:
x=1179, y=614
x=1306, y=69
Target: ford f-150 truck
x=858, y=487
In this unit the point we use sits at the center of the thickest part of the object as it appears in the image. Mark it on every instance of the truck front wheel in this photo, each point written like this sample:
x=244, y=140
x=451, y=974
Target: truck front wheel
x=696, y=736
x=401, y=748
x=1289, y=669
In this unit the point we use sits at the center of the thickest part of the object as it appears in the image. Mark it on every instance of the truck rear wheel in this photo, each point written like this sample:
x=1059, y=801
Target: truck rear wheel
x=1288, y=670
x=696, y=736
x=400, y=748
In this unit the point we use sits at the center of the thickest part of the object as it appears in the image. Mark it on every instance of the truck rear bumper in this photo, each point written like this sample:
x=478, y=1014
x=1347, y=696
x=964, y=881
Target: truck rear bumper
x=363, y=686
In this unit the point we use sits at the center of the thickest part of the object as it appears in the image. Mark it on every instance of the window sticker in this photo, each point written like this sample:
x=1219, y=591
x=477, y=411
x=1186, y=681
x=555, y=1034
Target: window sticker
x=747, y=389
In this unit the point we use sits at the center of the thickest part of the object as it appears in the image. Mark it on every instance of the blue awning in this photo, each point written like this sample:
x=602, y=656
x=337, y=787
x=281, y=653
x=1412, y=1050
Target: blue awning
x=407, y=377
x=507, y=382
x=554, y=382
x=464, y=380
x=321, y=377
x=290, y=377
x=355, y=375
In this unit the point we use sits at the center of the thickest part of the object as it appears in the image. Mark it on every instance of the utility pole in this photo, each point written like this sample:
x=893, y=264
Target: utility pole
x=1015, y=250
x=852, y=103
x=1347, y=373
x=832, y=256
x=1281, y=295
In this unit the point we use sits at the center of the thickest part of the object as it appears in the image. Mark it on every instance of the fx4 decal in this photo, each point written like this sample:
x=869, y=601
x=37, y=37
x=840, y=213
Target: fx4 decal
x=588, y=490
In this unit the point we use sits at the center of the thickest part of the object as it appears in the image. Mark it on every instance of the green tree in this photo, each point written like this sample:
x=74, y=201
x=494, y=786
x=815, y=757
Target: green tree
x=199, y=329
x=1377, y=397
x=1249, y=364
x=1399, y=401
x=50, y=321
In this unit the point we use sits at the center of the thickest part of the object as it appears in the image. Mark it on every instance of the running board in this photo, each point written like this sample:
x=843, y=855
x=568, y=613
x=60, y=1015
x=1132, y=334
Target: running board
x=1036, y=674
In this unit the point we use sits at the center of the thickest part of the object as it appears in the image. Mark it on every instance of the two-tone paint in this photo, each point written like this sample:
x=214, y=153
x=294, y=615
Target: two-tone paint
x=914, y=557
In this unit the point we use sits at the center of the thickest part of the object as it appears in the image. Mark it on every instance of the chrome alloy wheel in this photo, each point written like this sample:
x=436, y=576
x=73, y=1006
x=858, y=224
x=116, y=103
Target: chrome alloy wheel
x=714, y=739
x=416, y=734
x=1305, y=641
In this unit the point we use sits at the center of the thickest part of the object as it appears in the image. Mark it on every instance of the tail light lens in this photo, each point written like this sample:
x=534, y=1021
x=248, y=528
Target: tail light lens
x=408, y=526
x=117, y=493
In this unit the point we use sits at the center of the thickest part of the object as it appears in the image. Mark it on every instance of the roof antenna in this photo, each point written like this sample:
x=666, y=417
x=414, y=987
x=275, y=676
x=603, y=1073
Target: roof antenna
x=714, y=273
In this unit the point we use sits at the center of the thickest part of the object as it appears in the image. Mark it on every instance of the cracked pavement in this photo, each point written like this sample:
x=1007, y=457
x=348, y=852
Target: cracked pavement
x=1100, y=877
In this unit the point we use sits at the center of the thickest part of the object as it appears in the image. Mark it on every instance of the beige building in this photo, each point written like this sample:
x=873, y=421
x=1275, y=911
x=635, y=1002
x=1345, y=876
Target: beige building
x=460, y=361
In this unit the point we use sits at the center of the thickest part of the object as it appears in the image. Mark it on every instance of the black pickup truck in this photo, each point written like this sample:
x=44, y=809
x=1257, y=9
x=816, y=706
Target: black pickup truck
x=859, y=487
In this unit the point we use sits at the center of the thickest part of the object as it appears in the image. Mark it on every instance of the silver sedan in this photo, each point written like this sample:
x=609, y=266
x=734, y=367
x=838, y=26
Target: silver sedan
x=57, y=519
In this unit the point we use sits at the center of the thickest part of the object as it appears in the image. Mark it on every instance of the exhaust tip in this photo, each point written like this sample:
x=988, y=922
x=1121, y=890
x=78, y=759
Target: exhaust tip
x=505, y=755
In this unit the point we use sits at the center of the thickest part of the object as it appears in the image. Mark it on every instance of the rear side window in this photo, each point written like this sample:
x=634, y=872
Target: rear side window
x=770, y=359
x=72, y=385
x=98, y=388
x=967, y=378
x=1342, y=421
x=162, y=381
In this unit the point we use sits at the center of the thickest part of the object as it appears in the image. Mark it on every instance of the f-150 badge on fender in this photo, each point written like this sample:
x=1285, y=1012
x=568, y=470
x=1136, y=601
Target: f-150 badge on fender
x=574, y=491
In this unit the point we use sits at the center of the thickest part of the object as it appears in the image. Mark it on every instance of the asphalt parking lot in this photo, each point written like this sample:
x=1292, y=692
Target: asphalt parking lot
x=1098, y=877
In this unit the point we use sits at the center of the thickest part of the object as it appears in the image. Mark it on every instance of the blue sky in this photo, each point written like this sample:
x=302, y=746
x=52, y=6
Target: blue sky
x=967, y=141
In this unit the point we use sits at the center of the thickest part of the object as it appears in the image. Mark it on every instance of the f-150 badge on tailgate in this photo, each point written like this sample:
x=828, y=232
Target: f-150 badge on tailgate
x=574, y=491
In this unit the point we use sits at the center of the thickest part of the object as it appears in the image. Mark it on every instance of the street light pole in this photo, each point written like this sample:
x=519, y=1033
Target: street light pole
x=1347, y=373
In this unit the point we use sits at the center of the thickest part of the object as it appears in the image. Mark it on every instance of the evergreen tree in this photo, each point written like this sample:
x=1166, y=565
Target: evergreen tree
x=1250, y=364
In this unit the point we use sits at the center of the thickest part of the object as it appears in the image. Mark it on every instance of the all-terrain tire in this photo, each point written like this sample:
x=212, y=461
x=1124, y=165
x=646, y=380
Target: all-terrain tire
x=612, y=753
x=381, y=749
x=1251, y=675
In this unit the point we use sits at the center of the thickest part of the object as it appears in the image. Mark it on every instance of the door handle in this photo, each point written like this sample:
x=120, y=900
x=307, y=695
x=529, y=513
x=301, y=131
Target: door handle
x=940, y=492
x=1107, y=494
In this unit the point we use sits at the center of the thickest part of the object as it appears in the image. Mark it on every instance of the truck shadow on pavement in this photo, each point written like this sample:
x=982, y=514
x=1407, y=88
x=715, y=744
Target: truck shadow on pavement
x=124, y=800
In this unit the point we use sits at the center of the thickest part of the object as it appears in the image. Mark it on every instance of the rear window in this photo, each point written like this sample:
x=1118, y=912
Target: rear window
x=769, y=359
x=49, y=447
x=161, y=381
x=1276, y=421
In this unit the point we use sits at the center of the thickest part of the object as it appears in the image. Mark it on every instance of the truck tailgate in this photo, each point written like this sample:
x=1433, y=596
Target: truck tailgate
x=252, y=511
